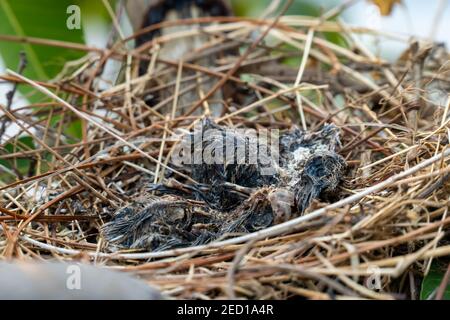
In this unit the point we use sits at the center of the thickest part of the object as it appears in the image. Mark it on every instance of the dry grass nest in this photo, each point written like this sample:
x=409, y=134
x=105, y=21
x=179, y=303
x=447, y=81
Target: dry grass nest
x=388, y=216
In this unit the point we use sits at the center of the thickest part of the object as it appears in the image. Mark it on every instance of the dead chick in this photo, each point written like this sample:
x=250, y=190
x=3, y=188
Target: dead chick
x=306, y=166
x=171, y=222
x=232, y=195
x=310, y=165
x=158, y=223
x=223, y=164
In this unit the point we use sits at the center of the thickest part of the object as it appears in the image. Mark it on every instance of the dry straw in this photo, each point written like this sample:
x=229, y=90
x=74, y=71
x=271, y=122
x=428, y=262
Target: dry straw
x=391, y=216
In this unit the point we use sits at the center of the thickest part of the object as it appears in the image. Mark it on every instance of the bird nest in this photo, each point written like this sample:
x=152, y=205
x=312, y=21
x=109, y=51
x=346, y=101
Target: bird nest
x=355, y=205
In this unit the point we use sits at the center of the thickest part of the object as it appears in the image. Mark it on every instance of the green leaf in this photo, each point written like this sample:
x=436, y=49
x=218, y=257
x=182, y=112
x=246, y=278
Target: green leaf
x=431, y=283
x=74, y=131
x=42, y=19
x=24, y=143
x=298, y=7
x=254, y=8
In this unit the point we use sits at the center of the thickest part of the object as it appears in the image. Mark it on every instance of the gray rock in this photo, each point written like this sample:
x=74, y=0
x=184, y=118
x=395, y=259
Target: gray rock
x=64, y=281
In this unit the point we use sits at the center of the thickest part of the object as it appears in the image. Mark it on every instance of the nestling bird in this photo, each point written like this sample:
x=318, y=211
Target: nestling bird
x=231, y=196
x=310, y=164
